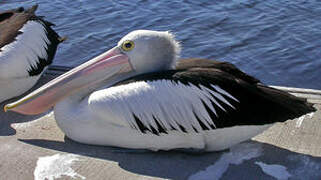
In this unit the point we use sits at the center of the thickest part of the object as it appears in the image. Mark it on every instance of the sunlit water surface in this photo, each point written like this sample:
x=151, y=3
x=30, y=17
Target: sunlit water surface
x=277, y=41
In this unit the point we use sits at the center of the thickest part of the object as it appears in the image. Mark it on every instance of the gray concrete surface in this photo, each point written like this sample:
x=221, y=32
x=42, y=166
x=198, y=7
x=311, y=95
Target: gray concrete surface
x=33, y=147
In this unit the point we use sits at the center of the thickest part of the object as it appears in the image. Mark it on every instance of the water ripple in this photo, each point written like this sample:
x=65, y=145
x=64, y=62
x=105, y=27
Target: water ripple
x=277, y=41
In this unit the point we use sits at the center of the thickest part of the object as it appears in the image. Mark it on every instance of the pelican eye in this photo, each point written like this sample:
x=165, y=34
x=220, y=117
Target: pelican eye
x=127, y=45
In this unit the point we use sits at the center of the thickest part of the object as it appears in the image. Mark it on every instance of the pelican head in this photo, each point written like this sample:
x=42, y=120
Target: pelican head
x=138, y=52
x=150, y=51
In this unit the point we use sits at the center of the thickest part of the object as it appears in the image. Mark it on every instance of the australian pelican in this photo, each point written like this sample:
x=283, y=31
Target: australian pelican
x=139, y=95
x=27, y=47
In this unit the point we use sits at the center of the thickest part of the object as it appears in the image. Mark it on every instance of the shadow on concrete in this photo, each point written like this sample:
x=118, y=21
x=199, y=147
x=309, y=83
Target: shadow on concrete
x=180, y=165
x=6, y=119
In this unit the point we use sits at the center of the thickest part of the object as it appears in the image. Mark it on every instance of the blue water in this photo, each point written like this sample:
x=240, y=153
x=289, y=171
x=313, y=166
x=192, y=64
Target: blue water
x=277, y=41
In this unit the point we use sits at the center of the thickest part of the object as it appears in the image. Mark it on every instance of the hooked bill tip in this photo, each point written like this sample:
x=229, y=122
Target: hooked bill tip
x=5, y=108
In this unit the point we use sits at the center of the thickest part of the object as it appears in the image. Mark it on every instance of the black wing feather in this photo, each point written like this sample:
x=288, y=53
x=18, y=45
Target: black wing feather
x=257, y=104
x=12, y=21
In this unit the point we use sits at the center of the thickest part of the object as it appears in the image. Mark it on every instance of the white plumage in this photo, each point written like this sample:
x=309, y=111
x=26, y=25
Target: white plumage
x=106, y=117
x=18, y=58
x=148, y=99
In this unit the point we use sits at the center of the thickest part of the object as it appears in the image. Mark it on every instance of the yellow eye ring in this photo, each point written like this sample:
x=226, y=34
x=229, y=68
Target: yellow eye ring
x=127, y=45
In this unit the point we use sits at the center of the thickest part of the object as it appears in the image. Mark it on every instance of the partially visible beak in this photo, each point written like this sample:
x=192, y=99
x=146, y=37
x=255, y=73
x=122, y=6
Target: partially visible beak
x=109, y=64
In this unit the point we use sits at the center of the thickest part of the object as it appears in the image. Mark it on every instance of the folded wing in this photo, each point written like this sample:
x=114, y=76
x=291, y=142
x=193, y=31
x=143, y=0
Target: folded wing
x=194, y=99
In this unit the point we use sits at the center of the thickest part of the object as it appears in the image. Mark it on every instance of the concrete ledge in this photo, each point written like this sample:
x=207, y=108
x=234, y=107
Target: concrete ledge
x=299, y=90
x=33, y=147
x=313, y=96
